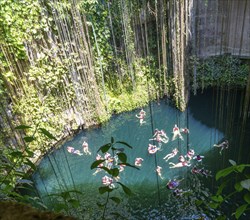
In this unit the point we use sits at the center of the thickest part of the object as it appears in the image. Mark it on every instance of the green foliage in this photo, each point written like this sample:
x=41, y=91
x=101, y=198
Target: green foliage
x=113, y=172
x=20, y=21
x=241, y=186
x=221, y=71
x=15, y=166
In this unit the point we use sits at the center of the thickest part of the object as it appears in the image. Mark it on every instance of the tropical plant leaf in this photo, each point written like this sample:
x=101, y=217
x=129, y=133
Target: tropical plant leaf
x=129, y=165
x=115, y=199
x=16, y=154
x=125, y=189
x=100, y=205
x=104, y=189
x=232, y=162
x=247, y=197
x=47, y=133
x=106, y=169
x=224, y=172
x=112, y=140
x=240, y=210
x=96, y=164
x=75, y=203
x=59, y=207
x=114, y=172
x=22, y=127
x=28, y=139
x=217, y=198
x=221, y=187
x=105, y=148
x=32, y=165
x=245, y=184
x=124, y=143
x=122, y=157
x=238, y=187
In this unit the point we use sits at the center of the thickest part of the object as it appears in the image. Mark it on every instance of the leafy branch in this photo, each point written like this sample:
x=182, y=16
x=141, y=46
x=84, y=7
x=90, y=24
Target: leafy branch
x=110, y=165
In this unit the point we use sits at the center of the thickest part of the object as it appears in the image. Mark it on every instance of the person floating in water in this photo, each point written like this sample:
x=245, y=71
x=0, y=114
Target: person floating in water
x=176, y=132
x=171, y=155
x=152, y=149
x=198, y=158
x=98, y=157
x=173, y=184
x=158, y=171
x=73, y=151
x=179, y=192
x=201, y=171
x=180, y=164
x=185, y=130
x=121, y=167
x=138, y=161
x=107, y=181
x=141, y=116
x=70, y=149
x=222, y=146
x=160, y=137
x=190, y=154
x=85, y=147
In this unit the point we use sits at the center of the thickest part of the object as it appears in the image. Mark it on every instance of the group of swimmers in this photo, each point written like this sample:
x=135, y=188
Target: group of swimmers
x=85, y=148
x=160, y=137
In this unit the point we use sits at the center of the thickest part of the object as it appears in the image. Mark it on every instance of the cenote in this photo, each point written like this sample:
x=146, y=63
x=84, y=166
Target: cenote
x=212, y=115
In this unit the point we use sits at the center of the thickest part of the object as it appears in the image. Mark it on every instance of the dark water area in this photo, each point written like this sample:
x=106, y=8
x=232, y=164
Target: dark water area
x=212, y=116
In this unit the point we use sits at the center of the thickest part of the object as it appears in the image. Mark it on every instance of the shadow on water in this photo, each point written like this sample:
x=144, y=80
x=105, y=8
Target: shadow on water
x=208, y=124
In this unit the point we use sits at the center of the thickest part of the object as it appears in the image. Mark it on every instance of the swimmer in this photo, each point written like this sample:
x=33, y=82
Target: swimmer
x=179, y=192
x=190, y=154
x=121, y=167
x=173, y=184
x=85, y=147
x=176, y=132
x=141, y=116
x=107, y=181
x=223, y=145
x=198, y=158
x=171, y=155
x=185, y=130
x=160, y=136
x=138, y=161
x=70, y=149
x=181, y=158
x=152, y=149
x=77, y=152
x=110, y=162
x=201, y=171
x=180, y=164
x=158, y=171
x=98, y=157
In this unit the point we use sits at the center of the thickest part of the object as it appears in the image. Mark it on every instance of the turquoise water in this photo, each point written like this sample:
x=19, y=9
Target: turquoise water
x=60, y=170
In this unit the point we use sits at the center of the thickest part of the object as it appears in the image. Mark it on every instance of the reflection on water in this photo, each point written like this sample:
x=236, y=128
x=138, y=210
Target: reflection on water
x=62, y=171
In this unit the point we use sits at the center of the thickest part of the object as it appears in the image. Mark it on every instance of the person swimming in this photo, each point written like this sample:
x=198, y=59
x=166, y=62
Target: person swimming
x=141, y=116
x=171, y=155
x=173, y=184
x=185, y=130
x=152, y=149
x=223, y=145
x=85, y=147
x=176, y=133
x=198, y=158
x=180, y=164
x=107, y=181
x=138, y=161
x=190, y=154
x=158, y=171
x=73, y=151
